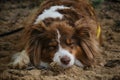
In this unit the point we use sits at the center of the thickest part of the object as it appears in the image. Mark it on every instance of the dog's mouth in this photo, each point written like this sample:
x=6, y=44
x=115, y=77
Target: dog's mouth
x=58, y=65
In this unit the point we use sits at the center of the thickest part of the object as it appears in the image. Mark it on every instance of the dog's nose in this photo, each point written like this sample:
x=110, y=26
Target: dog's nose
x=65, y=60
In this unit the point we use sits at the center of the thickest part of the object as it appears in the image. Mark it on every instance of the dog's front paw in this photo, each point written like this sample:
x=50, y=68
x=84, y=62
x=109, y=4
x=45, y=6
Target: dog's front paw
x=19, y=60
x=14, y=65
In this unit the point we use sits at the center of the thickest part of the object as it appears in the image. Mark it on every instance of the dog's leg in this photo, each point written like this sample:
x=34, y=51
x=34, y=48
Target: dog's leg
x=20, y=60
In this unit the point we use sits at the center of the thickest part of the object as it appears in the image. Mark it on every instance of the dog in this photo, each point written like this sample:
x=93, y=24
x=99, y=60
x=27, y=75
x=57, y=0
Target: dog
x=62, y=31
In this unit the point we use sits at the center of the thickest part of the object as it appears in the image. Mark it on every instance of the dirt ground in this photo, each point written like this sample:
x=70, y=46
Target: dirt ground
x=12, y=16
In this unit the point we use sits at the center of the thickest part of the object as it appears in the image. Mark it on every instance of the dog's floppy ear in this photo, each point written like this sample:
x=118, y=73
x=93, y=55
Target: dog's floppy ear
x=88, y=44
x=33, y=36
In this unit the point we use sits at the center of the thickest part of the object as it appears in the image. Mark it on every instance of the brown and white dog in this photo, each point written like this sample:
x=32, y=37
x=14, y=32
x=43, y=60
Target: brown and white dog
x=62, y=31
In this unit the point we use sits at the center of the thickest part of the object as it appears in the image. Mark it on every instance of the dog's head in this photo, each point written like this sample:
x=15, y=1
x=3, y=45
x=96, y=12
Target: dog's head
x=60, y=43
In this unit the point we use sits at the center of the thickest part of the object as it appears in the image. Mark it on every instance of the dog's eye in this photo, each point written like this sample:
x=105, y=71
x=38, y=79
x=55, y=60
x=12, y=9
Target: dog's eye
x=72, y=45
x=52, y=47
x=69, y=42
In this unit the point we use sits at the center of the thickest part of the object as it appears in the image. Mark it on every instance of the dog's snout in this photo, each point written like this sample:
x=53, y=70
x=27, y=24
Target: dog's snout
x=65, y=60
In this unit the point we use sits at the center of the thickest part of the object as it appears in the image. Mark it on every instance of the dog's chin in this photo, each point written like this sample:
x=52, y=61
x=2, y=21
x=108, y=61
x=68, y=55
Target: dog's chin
x=65, y=66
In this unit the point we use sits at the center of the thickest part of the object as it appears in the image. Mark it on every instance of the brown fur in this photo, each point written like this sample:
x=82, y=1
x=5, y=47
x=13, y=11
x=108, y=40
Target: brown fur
x=78, y=25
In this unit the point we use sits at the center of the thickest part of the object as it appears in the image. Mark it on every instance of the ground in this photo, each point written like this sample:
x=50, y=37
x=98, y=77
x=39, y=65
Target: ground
x=12, y=16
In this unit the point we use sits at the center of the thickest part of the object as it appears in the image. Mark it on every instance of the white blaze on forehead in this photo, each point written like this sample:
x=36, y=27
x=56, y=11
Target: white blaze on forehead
x=58, y=37
x=51, y=13
x=61, y=53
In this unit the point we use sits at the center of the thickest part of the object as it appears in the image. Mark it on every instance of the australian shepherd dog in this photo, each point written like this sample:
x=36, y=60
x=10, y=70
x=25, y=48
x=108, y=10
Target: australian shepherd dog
x=62, y=31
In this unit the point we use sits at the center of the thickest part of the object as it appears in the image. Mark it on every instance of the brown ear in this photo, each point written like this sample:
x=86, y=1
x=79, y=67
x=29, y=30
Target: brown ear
x=40, y=28
x=87, y=42
x=33, y=36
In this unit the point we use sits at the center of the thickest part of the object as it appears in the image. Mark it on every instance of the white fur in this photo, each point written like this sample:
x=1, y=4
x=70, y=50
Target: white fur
x=62, y=52
x=50, y=13
x=78, y=63
x=20, y=59
x=44, y=64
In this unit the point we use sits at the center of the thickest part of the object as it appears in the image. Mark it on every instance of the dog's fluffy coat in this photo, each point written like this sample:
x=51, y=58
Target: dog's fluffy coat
x=63, y=31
